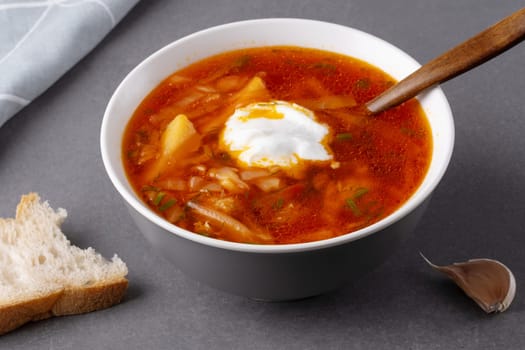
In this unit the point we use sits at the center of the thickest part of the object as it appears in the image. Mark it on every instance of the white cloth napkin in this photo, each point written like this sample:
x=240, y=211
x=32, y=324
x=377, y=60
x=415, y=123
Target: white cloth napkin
x=41, y=39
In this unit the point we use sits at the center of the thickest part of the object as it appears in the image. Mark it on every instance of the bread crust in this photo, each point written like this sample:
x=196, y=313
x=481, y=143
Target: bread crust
x=70, y=301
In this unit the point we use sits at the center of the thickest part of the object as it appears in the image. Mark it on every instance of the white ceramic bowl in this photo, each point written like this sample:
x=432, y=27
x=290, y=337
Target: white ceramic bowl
x=274, y=272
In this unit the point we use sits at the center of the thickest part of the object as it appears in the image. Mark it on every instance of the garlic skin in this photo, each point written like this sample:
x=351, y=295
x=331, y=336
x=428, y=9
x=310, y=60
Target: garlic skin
x=488, y=282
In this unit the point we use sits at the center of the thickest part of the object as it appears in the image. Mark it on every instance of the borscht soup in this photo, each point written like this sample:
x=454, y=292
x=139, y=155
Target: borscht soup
x=264, y=145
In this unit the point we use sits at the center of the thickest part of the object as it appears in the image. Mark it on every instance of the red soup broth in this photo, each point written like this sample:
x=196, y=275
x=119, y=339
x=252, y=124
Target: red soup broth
x=378, y=162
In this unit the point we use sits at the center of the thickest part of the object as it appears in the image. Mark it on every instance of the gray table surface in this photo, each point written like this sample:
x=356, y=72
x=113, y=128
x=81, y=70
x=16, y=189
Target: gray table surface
x=52, y=147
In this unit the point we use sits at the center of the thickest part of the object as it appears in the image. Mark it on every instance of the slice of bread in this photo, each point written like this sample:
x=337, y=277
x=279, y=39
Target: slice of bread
x=43, y=275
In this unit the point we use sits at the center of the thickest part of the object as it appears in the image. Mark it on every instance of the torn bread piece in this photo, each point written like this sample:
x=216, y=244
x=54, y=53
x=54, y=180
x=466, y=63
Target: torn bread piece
x=43, y=275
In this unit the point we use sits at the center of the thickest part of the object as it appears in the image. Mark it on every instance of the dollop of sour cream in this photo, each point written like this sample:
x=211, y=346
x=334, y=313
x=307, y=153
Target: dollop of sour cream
x=277, y=133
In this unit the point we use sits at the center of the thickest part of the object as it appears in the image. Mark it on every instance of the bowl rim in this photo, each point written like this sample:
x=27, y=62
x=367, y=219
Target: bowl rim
x=132, y=200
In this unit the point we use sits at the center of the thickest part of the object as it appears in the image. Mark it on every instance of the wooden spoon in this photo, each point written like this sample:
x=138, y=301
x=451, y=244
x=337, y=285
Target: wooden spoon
x=471, y=53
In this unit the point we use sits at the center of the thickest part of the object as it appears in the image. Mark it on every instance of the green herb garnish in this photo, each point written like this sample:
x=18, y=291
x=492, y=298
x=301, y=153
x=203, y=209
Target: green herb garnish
x=350, y=203
x=363, y=83
x=242, y=61
x=361, y=191
x=324, y=65
x=344, y=136
x=168, y=204
x=149, y=188
x=158, y=198
x=278, y=204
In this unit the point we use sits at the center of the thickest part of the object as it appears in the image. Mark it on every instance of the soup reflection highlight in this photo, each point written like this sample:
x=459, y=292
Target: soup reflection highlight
x=262, y=146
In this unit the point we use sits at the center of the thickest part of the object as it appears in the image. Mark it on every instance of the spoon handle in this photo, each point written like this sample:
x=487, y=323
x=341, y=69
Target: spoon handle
x=471, y=53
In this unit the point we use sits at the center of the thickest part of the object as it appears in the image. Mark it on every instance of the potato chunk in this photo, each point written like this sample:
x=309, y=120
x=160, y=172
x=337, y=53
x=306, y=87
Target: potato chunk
x=254, y=91
x=180, y=135
x=178, y=139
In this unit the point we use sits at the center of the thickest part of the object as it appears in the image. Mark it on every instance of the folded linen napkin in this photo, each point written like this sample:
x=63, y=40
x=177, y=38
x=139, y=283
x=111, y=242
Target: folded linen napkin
x=41, y=39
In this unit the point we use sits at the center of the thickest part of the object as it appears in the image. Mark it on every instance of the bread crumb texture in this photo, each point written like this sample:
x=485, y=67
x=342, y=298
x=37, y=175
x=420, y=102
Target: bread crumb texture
x=42, y=274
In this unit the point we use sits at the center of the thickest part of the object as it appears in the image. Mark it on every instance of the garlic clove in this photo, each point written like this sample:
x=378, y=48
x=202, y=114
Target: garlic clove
x=488, y=282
